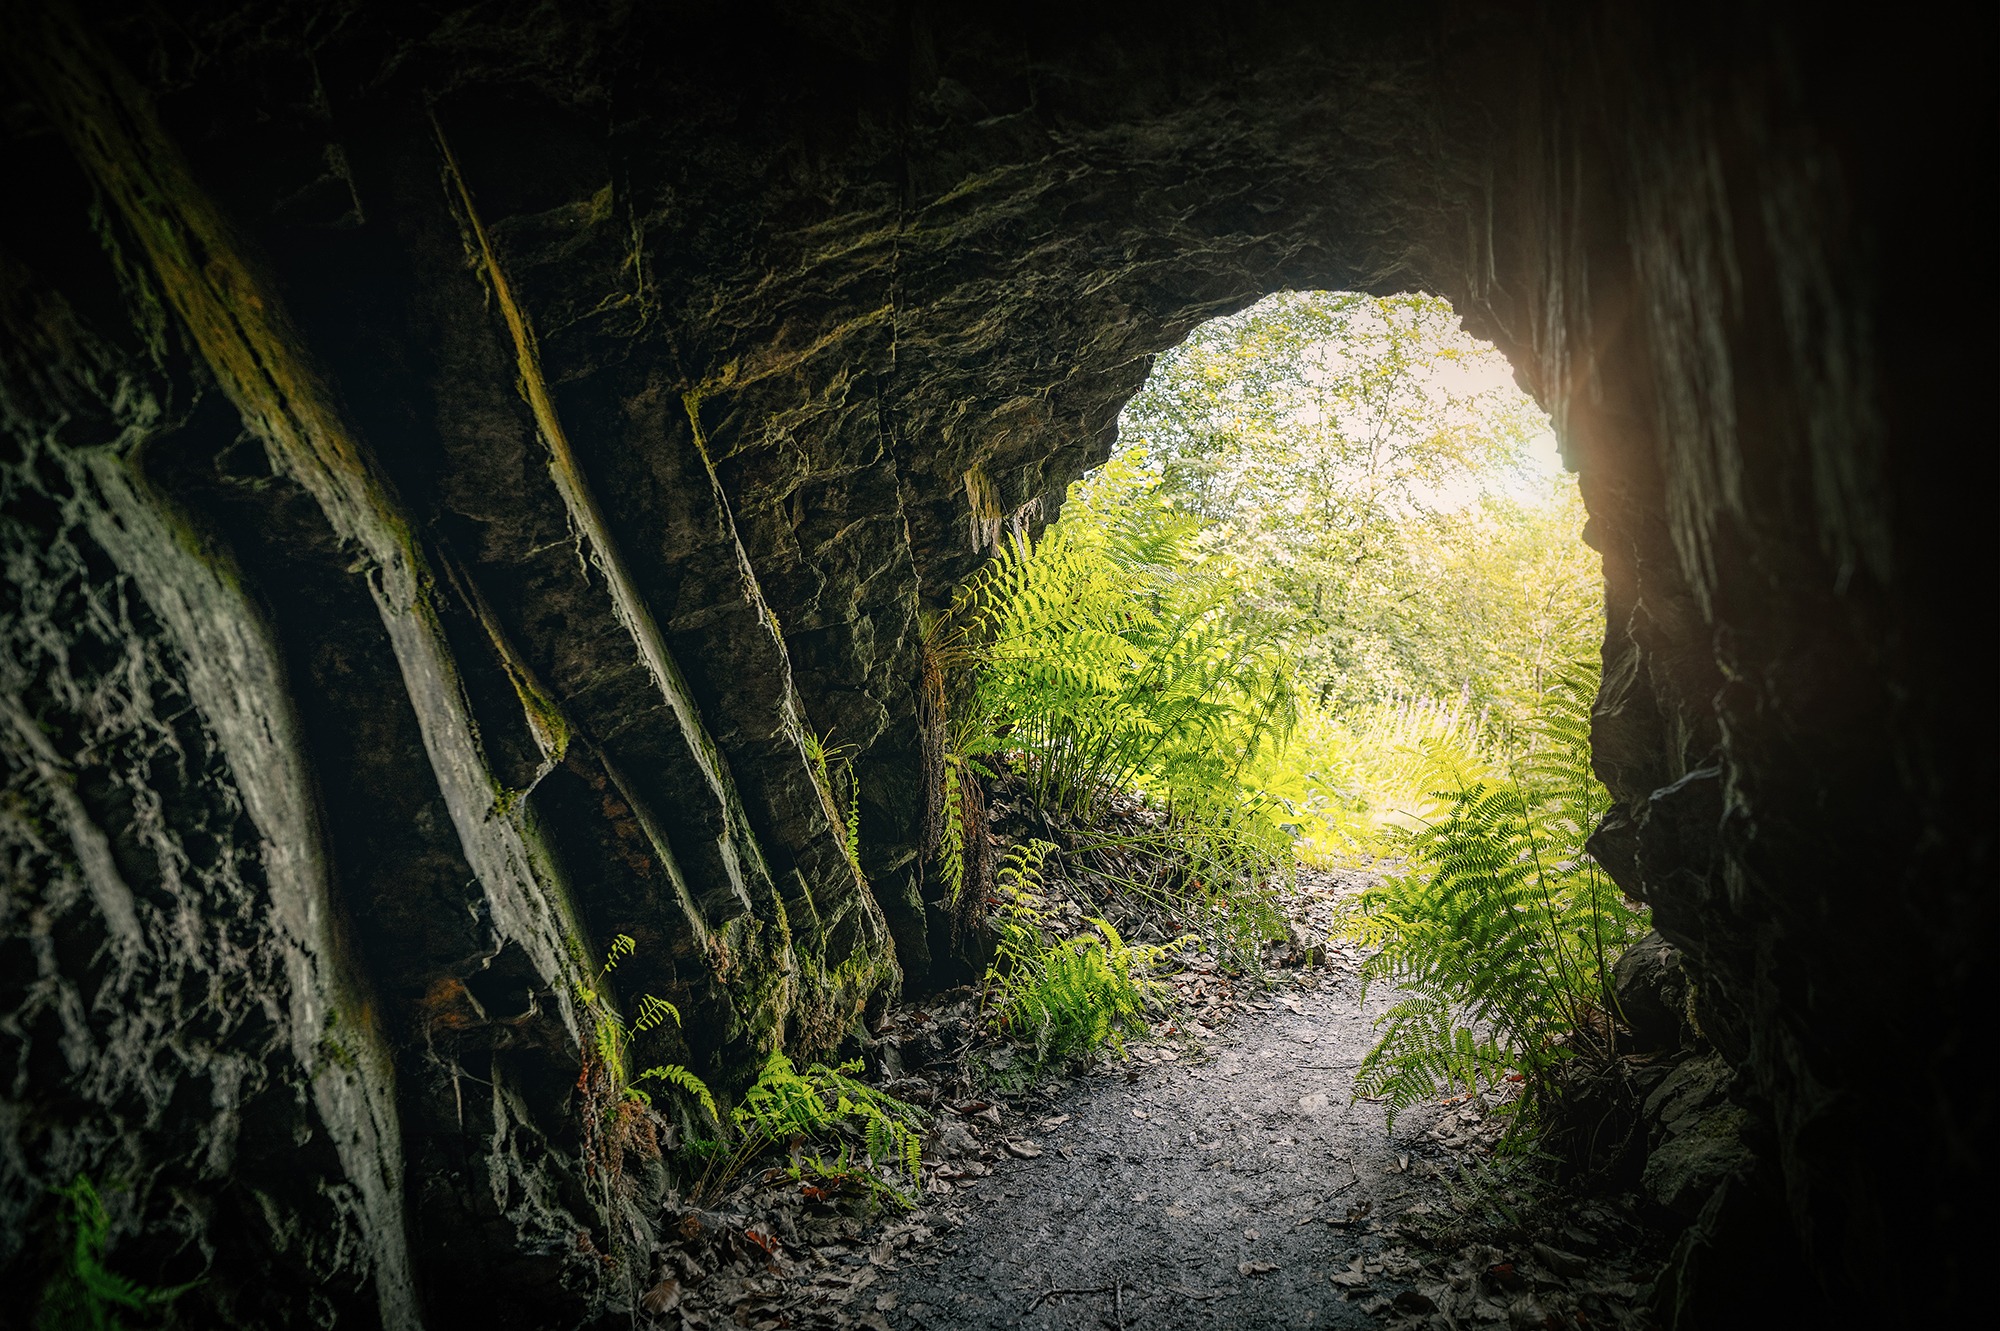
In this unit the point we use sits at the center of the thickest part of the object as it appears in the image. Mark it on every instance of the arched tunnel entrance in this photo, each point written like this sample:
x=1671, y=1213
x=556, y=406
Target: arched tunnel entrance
x=460, y=461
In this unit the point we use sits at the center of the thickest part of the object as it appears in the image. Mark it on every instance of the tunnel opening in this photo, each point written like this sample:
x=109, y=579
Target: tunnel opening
x=1292, y=699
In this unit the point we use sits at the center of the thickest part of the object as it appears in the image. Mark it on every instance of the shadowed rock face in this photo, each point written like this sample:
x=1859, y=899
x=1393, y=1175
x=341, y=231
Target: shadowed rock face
x=454, y=458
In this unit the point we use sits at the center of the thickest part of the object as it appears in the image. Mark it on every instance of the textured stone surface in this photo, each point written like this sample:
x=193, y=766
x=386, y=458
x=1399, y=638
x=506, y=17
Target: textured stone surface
x=1652, y=992
x=1697, y=1136
x=454, y=455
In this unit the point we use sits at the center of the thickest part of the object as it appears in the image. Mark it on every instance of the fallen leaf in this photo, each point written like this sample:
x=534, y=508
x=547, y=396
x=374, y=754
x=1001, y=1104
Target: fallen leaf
x=1313, y=1103
x=1255, y=1268
x=1560, y=1262
x=1022, y=1149
x=1140, y=1113
x=1412, y=1302
x=884, y=1302
x=662, y=1298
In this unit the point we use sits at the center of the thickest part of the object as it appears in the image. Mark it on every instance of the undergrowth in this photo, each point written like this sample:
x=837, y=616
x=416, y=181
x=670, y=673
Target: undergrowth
x=875, y=1138
x=1502, y=929
x=85, y=1294
x=841, y=1134
x=1065, y=996
x=1115, y=659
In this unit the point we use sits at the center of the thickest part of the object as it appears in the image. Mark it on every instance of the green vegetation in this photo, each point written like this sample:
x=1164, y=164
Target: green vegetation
x=835, y=769
x=873, y=1138
x=1116, y=655
x=87, y=1295
x=613, y=1038
x=1502, y=930
x=1325, y=604
x=1067, y=996
x=876, y=1137
x=1367, y=466
x=1112, y=659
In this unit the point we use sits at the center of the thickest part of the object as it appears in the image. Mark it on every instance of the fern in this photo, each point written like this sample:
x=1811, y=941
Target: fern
x=834, y=768
x=1116, y=656
x=654, y=1011
x=610, y=1037
x=787, y=1107
x=1503, y=931
x=1067, y=997
x=951, y=835
x=87, y=1295
x=675, y=1075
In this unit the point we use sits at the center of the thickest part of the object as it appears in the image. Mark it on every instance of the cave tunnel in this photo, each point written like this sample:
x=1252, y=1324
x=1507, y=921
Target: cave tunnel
x=456, y=454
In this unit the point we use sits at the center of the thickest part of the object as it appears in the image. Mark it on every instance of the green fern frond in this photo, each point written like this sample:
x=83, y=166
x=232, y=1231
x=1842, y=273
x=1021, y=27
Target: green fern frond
x=1502, y=933
x=675, y=1075
x=654, y=1011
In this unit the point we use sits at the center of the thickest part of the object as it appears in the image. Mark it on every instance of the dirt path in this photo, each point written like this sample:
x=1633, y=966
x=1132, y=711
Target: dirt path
x=1231, y=1186
x=1223, y=1177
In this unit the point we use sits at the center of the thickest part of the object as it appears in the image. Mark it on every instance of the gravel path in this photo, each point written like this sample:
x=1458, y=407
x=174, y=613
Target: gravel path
x=1234, y=1186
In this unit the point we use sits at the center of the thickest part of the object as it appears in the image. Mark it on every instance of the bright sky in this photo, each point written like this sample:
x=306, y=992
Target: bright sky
x=1483, y=370
x=1490, y=372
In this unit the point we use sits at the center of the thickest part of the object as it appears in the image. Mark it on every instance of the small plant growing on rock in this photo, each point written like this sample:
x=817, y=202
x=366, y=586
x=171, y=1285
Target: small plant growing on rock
x=613, y=1038
x=87, y=1295
x=834, y=766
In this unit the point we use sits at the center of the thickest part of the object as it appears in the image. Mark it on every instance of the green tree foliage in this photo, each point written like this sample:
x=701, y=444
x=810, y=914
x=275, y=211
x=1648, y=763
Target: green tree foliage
x=1364, y=462
x=1502, y=931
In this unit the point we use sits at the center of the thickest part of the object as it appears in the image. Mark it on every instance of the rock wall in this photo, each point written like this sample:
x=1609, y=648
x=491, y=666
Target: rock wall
x=458, y=461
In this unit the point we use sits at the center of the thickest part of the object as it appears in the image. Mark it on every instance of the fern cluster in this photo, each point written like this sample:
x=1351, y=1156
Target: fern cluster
x=612, y=1037
x=1066, y=996
x=873, y=1134
x=1116, y=656
x=1502, y=932
x=1120, y=658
